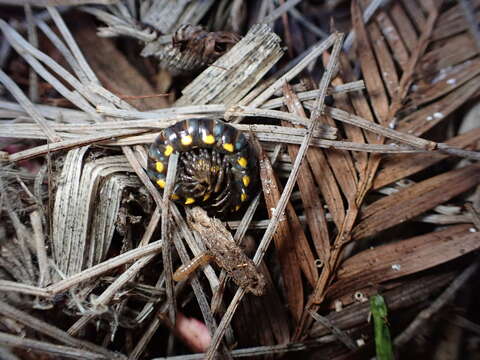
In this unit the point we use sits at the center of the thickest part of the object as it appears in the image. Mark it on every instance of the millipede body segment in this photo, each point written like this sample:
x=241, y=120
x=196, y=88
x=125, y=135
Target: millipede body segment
x=216, y=168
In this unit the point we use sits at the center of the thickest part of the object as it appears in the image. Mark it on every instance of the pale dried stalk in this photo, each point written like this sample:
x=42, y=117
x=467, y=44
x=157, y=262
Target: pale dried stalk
x=315, y=52
x=18, y=94
x=52, y=331
x=35, y=219
x=167, y=237
x=44, y=347
x=103, y=267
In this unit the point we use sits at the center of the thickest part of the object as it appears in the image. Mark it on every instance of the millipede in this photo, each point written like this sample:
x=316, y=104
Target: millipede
x=216, y=169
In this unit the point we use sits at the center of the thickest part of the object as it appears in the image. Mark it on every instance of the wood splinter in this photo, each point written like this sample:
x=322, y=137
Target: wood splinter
x=224, y=251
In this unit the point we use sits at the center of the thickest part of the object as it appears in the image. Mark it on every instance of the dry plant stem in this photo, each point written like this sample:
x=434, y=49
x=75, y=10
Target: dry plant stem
x=42, y=259
x=28, y=106
x=72, y=44
x=449, y=293
x=281, y=10
x=103, y=267
x=370, y=10
x=33, y=56
x=267, y=237
x=32, y=39
x=52, y=331
x=68, y=144
x=338, y=333
x=8, y=340
x=311, y=201
x=315, y=51
x=407, y=76
x=474, y=214
x=228, y=255
x=123, y=279
x=13, y=286
x=167, y=239
x=152, y=327
x=307, y=24
x=286, y=26
x=407, y=139
x=469, y=13
x=263, y=350
x=312, y=94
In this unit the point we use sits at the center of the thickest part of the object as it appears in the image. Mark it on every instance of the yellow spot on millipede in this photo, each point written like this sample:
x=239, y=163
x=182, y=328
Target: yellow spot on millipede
x=189, y=201
x=243, y=197
x=237, y=207
x=161, y=183
x=208, y=139
x=242, y=162
x=246, y=180
x=168, y=150
x=186, y=140
x=228, y=147
x=159, y=166
x=174, y=197
x=206, y=197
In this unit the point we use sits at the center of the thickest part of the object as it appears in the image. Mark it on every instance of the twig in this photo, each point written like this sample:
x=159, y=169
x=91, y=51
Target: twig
x=338, y=333
x=105, y=266
x=42, y=259
x=68, y=144
x=263, y=350
x=280, y=11
x=167, y=237
x=33, y=39
x=469, y=13
x=18, y=94
x=371, y=9
x=307, y=23
x=314, y=52
x=52, y=331
x=120, y=281
x=41, y=346
x=414, y=327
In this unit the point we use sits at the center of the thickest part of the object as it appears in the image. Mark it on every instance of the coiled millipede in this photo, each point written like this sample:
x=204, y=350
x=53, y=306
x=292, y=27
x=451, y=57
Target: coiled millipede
x=216, y=169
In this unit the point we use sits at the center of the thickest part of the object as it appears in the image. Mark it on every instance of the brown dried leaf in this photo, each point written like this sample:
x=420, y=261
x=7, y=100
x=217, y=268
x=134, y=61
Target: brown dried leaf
x=400, y=166
x=371, y=73
x=312, y=204
x=414, y=200
x=404, y=257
